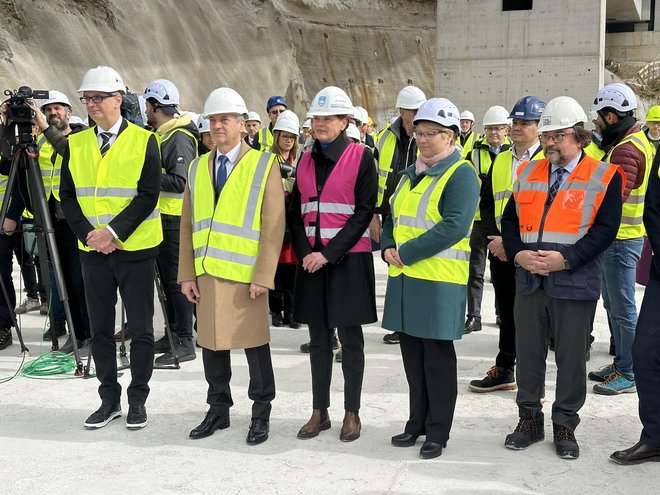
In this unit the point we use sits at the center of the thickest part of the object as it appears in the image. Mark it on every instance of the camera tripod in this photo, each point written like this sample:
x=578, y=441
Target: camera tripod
x=24, y=160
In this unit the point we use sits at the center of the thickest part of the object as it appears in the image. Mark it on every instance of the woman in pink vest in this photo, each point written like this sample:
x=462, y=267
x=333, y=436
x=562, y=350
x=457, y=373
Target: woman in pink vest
x=332, y=204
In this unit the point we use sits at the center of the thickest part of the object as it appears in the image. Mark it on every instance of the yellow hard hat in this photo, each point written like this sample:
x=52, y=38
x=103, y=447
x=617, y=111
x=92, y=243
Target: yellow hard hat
x=653, y=114
x=371, y=121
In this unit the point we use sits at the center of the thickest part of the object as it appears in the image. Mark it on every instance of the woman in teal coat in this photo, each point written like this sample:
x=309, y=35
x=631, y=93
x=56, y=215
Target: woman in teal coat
x=426, y=244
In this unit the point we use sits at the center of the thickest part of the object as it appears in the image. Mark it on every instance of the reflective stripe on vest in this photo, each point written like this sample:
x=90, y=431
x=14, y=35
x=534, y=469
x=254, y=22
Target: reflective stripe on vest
x=469, y=143
x=594, y=151
x=502, y=181
x=3, y=187
x=574, y=208
x=415, y=213
x=329, y=213
x=265, y=139
x=386, y=144
x=226, y=235
x=171, y=203
x=46, y=165
x=632, y=211
x=106, y=185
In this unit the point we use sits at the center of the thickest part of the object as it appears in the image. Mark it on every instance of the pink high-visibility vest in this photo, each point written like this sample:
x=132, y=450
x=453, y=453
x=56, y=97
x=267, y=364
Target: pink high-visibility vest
x=336, y=205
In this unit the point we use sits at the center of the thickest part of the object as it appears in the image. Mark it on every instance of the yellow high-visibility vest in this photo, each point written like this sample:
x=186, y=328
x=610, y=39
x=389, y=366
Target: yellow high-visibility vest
x=632, y=212
x=502, y=181
x=265, y=139
x=106, y=185
x=481, y=160
x=226, y=234
x=414, y=213
x=594, y=151
x=170, y=203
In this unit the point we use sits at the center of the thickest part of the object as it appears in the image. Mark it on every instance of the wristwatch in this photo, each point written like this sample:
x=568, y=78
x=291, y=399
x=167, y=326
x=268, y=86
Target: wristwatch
x=567, y=265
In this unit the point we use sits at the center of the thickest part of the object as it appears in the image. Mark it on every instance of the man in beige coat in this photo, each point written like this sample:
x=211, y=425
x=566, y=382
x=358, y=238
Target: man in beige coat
x=231, y=235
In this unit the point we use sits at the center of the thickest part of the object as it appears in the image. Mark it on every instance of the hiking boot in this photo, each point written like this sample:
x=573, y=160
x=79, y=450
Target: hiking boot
x=184, y=349
x=565, y=443
x=5, y=338
x=391, y=338
x=28, y=304
x=472, y=324
x=602, y=374
x=497, y=378
x=528, y=431
x=60, y=331
x=617, y=383
x=163, y=344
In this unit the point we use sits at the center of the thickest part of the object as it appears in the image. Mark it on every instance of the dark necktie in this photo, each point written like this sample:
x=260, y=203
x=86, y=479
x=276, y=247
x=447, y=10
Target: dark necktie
x=105, y=145
x=555, y=185
x=221, y=176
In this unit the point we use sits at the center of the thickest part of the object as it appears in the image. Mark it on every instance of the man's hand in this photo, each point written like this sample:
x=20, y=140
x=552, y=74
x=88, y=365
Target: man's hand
x=313, y=262
x=532, y=262
x=191, y=291
x=496, y=246
x=375, y=228
x=256, y=290
x=38, y=118
x=102, y=241
x=9, y=226
x=391, y=255
x=554, y=260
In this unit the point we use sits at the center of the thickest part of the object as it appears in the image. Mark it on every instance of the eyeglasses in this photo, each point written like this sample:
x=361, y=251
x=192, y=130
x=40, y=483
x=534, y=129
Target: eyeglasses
x=556, y=138
x=96, y=99
x=419, y=136
x=275, y=112
x=288, y=138
x=498, y=128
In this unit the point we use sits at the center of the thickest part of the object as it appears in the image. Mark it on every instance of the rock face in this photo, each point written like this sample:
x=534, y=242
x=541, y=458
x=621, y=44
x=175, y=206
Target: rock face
x=371, y=48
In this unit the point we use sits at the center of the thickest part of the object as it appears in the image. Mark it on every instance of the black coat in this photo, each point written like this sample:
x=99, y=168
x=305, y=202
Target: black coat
x=341, y=293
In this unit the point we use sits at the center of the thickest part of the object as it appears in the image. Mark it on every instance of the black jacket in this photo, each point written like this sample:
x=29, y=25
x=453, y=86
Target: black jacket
x=176, y=154
x=652, y=216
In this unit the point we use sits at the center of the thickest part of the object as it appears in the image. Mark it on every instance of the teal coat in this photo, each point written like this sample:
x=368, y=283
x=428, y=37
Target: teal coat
x=423, y=308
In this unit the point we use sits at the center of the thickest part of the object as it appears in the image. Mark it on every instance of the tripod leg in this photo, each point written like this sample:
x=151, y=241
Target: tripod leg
x=161, y=298
x=125, y=363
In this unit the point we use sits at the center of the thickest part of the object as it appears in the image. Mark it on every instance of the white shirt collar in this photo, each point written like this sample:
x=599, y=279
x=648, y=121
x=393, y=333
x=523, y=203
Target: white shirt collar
x=528, y=153
x=232, y=155
x=114, y=130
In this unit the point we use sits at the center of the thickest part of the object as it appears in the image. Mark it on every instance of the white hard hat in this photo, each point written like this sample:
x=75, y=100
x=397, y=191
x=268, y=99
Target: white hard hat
x=307, y=124
x=254, y=116
x=410, y=98
x=467, y=115
x=617, y=96
x=55, y=96
x=74, y=119
x=102, y=78
x=224, y=100
x=163, y=91
x=561, y=112
x=287, y=121
x=353, y=132
x=441, y=111
x=361, y=114
x=203, y=124
x=496, y=115
x=330, y=101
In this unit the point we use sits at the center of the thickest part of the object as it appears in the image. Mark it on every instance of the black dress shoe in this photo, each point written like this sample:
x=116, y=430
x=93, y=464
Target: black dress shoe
x=431, y=450
x=641, y=452
x=212, y=421
x=258, y=432
x=473, y=324
x=278, y=321
x=404, y=440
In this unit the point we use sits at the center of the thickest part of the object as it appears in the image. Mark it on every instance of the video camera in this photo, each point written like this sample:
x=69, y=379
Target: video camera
x=287, y=171
x=19, y=112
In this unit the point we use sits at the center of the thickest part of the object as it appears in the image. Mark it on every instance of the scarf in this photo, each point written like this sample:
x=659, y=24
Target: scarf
x=423, y=163
x=613, y=133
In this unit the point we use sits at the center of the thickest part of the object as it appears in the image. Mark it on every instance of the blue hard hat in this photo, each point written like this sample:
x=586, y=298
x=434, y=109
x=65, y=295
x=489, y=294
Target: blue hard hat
x=275, y=100
x=528, y=108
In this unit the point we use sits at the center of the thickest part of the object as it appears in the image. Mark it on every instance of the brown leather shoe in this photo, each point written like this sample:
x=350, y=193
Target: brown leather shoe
x=320, y=421
x=127, y=336
x=350, y=430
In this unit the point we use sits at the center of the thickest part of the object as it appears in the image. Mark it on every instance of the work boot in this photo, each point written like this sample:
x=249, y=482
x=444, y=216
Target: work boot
x=528, y=431
x=60, y=331
x=28, y=304
x=472, y=324
x=184, y=349
x=497, y=378
x=565, y=444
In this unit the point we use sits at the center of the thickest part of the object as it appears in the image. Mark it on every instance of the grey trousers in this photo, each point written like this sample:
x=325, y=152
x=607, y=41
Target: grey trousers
x=475, y=285
x=538, y=317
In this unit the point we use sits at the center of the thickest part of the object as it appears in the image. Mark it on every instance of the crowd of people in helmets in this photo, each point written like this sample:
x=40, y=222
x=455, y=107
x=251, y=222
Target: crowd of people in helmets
x=252, y=226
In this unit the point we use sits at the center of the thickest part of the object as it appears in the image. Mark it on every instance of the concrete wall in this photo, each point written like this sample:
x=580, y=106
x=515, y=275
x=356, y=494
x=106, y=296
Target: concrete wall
x=488, y=57
x=640, y=46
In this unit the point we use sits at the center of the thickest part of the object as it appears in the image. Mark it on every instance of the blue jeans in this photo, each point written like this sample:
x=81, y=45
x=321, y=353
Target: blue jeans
x=619, y=263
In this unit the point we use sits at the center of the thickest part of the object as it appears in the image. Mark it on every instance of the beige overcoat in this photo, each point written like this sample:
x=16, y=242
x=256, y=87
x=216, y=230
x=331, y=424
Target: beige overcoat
x=226, y=316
